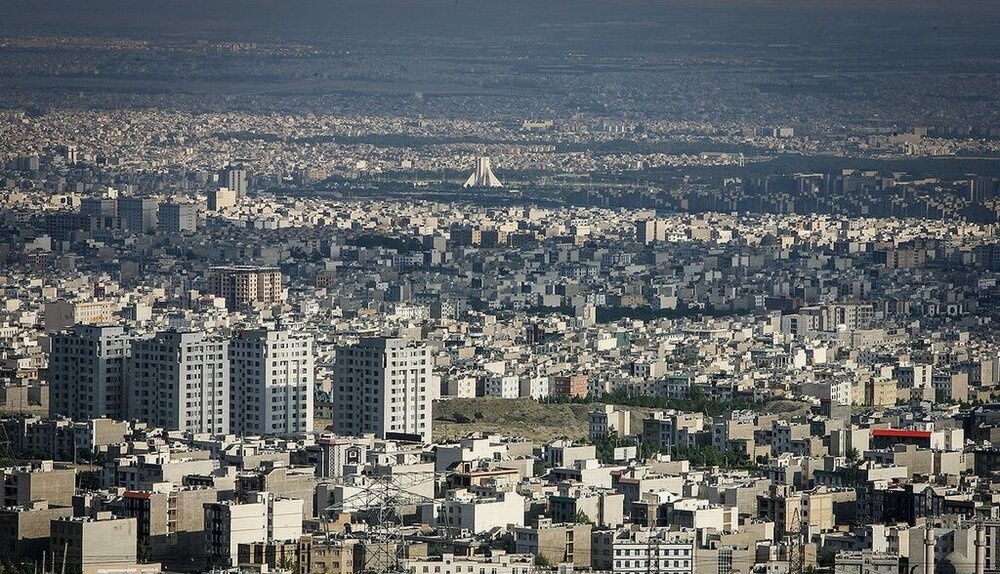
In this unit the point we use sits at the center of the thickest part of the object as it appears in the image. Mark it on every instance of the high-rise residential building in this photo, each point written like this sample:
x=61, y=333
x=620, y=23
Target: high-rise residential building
x=246, y=286
x=104, y=210
x=138, y=214
x=178, y=217
x=383, y=386
x=235, y=178
x=220, y=198
x=650, y=230
x=272, y=377
x=180, y=381
x=87, y=372
x=99, y=206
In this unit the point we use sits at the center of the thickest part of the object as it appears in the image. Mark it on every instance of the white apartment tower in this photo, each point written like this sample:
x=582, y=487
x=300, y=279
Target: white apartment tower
x=180, y=381
x=87, y=372
x=272, y=376
x=382, y=386
x=234, y=177
x=138, y=214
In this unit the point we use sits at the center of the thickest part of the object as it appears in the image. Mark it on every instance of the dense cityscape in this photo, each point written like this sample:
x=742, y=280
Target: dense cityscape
x=433, y=287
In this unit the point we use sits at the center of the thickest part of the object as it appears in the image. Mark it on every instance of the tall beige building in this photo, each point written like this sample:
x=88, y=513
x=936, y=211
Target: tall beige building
x=246, y=286
x=39, y=481
x=92, y=545
x=170, y=524
x=61, y=315
x=221, y=198
x=650, y=231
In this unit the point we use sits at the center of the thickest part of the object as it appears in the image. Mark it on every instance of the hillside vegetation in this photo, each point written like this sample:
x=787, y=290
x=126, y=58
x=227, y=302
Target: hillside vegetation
x=537, y=421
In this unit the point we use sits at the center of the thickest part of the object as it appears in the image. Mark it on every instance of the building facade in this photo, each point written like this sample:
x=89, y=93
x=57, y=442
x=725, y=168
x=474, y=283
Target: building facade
x=643, y=550
x=272, y=374
x=85, y=545
x=87, y=372
x=178, y=217
x=246, y=286
x=138, y=214
x=180, y=381
x=265, y=519
x=382, y=386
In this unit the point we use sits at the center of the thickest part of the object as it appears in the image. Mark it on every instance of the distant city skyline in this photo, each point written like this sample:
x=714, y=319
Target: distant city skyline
x=518, y=287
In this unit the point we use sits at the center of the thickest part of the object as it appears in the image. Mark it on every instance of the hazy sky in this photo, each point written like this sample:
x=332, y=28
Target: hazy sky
x=782, y=20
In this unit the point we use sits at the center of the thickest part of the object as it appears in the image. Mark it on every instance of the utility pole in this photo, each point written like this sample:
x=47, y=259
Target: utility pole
x=796, y=549
x=381, y=504
x=980, y=547
x=6, y=448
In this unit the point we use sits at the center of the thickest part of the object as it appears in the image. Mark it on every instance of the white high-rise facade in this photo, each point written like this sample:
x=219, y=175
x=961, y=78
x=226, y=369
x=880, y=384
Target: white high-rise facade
x=234, y=178
x=180, y=381
x=272, y=374
x=383, y=386
x=87, y=372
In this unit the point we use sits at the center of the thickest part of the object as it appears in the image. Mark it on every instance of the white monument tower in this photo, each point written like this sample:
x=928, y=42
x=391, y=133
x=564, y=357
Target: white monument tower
x=483, y=176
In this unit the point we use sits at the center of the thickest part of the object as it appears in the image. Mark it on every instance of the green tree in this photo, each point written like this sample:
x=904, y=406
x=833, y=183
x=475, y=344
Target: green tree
x=289, y=564
x=826, y=559
x=853, y=456
x=941, y=396
x=90, y=480
x=582, y=518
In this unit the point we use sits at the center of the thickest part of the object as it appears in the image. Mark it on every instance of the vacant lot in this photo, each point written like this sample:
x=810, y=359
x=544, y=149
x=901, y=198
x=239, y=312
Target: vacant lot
x=520, y=417
x=533, y=420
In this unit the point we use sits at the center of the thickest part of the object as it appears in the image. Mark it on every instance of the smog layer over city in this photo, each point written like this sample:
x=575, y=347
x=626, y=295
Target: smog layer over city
x=500, y=287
